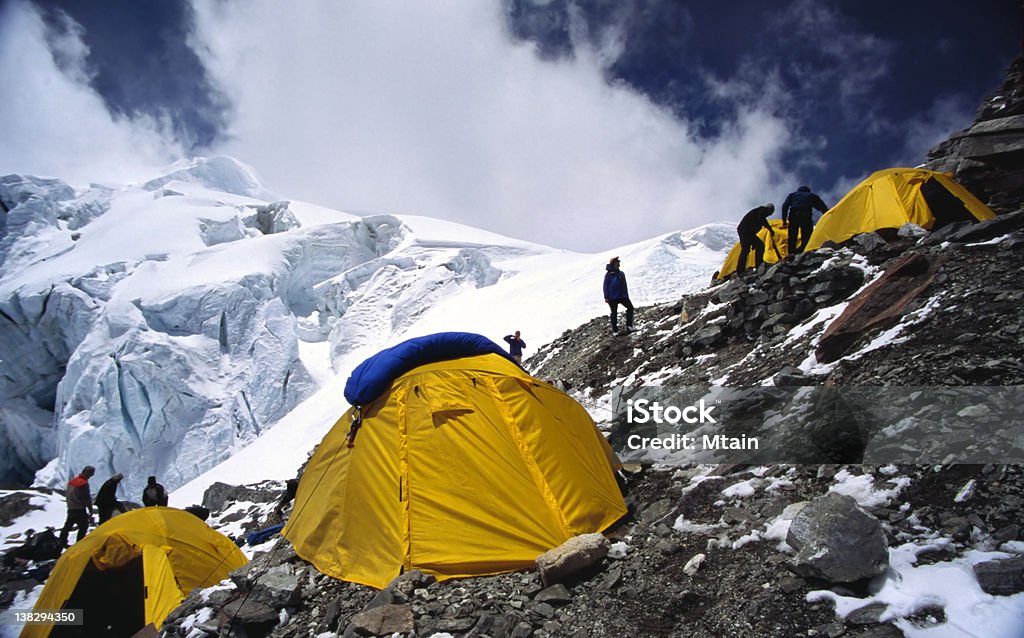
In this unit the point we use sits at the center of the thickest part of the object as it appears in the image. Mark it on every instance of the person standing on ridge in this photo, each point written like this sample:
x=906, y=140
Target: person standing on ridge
x=79, y=501
x=106, y=498
x=154, y=494
x=752, y=222
x=797, y=207
x=617, y=292
x=515, y=347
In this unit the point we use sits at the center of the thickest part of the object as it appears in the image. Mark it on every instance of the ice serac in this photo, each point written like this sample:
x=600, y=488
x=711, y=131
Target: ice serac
x=156, y=329
x=174, y=377
x=172, y=386
x=219, y=173
x=41, y=325
x=387, y=294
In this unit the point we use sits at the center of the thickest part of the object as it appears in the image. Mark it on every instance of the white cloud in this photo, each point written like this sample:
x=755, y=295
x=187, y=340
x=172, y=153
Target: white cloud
x=426, y=108
x=430, y=108
x=51, y=122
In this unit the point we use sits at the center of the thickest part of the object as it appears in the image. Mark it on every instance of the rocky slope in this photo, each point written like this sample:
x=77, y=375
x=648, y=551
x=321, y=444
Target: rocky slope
x=908, y=328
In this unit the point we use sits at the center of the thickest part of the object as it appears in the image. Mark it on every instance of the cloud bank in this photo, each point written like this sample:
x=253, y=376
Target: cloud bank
x=433, y=109
x=52, y=122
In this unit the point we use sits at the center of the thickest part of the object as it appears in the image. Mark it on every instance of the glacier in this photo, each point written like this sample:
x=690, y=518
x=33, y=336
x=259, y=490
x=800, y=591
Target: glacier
x=163, y=327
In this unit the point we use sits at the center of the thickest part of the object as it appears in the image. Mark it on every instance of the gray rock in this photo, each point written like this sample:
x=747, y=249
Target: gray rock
x=780, y=307
x=867, y=615
x=667, y=546
x=400, y=589
x=522, y=630
x=570, y=557
x=837, y=541
x=543, y=610
x=278, y=587
x=610, y=580
x=384, y=620
x=707, y=336
x=756, y=298
x=869, y=242
x=998, y=125
x=1009, y=532
x=1003, y=577
x=790, y=585
x=790, y=376
x=555, y=595
x=249, y=612
x=988, y=146
x=911, y=230
x=882, y=631
x=832, y=630
x=656, y=510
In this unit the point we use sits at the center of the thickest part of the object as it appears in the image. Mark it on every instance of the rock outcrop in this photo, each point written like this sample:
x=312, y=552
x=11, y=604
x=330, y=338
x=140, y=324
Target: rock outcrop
x=988, y=157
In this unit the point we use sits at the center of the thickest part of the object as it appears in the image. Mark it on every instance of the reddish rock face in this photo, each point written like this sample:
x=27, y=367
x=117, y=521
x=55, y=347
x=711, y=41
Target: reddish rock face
x=877, y=306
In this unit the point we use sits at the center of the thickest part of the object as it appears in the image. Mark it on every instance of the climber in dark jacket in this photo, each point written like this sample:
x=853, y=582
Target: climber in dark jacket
x=796, y=209
x=752, y=222
x=617, y=292
x=106, y=499
x=515, y=346
x=154, y=494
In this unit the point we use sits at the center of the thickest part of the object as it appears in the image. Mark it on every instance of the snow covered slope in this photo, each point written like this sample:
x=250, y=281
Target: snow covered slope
x=161, y=328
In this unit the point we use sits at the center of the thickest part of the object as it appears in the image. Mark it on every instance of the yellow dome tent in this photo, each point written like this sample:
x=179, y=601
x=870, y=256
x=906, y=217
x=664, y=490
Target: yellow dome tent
x=894, y=197
x=732, y=260
x=459, y=467
x=133, y=570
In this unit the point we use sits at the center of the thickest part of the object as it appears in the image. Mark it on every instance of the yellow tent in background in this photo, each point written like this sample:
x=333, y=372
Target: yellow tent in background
x=894, y=197
x=133, y=570
x=732, y=260
x=461, y=467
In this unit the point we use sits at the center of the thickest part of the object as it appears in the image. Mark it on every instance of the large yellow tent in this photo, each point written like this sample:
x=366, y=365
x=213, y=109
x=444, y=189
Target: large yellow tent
x=894, y=197
x=771, y=255
x=133, y=570
x=461, y=467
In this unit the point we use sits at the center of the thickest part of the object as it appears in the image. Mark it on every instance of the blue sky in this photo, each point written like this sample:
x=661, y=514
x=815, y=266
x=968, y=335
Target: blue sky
x=581, y=124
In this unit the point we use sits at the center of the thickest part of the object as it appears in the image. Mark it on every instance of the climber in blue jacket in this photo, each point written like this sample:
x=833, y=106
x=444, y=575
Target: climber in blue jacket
x=515, y=346
x=796, y=210
x=617, y=292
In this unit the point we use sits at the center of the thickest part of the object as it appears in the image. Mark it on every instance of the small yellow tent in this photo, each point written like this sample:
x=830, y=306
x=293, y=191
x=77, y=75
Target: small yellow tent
x=732, y=260
x=133, y=570
x=894, y=197
x=462, y=467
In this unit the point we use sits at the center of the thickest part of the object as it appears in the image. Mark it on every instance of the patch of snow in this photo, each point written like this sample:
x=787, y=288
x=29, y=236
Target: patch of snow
x=862, y=488
x=743, y=489
x=907, y=588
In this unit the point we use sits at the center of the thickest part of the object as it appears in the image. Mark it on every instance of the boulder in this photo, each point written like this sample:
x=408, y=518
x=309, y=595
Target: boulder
x=989, y=229
x=253, y=615
x=279, y=587
x=554, y=595
x=790, y=376
x=1003, y=577
x=383, y=621
x=572, y=556
x=707, y=336
x=877, y=305
x=837, y=541
x=869, y=242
